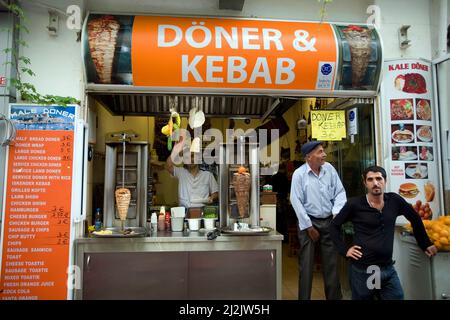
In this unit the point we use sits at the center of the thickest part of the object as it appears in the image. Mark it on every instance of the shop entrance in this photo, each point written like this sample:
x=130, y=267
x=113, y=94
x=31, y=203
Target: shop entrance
x=349, y=156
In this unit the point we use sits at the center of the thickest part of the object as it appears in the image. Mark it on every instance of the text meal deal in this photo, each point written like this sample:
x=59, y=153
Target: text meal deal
x=202, y=52
x=36, y=231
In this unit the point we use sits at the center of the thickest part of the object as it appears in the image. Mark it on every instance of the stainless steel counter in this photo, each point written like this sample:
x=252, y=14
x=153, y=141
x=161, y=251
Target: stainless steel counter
x=246, y=249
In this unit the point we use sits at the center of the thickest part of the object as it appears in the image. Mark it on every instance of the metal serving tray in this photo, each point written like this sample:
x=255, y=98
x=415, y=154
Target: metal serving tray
x=251, y=231
x=118, y=233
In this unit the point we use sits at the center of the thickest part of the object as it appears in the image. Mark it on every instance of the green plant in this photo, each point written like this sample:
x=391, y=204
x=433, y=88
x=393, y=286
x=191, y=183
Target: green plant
x=210, y=212
x=211, y=215
x=22, y=64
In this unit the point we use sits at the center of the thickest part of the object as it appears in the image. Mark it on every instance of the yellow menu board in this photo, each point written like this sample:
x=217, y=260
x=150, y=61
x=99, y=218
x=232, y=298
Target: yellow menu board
x=328, y=125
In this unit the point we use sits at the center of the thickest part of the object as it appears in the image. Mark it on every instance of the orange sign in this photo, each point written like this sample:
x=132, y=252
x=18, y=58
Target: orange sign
x=36, y=225
x=232, y=53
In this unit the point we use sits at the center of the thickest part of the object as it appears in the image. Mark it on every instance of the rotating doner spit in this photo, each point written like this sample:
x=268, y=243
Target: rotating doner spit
x=359, y=40
x=241, y=184
x=123, y=195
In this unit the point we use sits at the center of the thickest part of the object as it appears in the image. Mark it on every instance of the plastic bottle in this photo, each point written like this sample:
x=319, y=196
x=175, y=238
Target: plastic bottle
x=98, y=220
x=186, y=229
x=167, y=220
x=161, y=219
x=154, y=222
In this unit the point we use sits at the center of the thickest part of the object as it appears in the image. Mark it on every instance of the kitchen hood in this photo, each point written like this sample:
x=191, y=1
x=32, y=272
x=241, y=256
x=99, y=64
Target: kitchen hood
x=142, y=104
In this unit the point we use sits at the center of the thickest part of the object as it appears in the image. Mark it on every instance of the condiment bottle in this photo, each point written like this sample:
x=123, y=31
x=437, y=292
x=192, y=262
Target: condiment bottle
x=154, y=222
x=167, y=220
x=98, y=220
x=161, y=219
x=161, y=223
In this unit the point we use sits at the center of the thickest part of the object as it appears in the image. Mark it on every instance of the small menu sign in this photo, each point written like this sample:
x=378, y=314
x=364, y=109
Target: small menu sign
x=328, y=125
x=36, y=220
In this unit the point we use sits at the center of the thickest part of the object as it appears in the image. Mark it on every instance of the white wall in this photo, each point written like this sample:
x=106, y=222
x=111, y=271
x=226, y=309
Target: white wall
x=415, y=13
x=339, y=10
x=55, y=60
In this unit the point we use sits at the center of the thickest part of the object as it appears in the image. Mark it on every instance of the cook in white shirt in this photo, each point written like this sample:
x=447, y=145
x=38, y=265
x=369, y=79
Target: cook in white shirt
x=195, y=187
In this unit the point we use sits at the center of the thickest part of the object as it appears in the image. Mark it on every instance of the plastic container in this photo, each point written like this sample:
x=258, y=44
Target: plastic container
x=194, y=212
x=154, y=222
x=209, y=223
x=177, y=223
x=194, y=224
x=178, y=212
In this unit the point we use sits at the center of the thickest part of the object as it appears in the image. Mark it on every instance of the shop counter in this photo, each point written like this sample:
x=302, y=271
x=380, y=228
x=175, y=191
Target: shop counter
x=177, y=265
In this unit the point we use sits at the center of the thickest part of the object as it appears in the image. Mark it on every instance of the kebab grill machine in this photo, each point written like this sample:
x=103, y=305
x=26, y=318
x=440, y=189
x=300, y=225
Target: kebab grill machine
x=239, y=185
x=125, y=194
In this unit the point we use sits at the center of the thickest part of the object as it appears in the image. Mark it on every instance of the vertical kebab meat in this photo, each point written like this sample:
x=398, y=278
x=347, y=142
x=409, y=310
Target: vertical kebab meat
x=359, y=40
x=123, y=197
x=102, y=37
x=241, y=184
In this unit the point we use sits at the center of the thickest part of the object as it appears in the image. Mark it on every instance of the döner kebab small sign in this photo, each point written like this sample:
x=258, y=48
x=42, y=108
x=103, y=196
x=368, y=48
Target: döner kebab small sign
x=328, y=125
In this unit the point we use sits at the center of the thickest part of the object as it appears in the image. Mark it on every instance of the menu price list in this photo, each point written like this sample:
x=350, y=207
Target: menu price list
x=36, y=236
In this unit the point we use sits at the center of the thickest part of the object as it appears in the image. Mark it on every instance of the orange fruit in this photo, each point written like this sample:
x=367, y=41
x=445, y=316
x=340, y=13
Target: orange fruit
x=436, y=227
x=444, y=233
x=426, y=223
x=443, y=241
x=435, y=236
x=438, y=245
x=447, y=220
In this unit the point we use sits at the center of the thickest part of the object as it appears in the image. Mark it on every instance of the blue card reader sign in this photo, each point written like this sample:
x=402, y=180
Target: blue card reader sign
x=352, y=117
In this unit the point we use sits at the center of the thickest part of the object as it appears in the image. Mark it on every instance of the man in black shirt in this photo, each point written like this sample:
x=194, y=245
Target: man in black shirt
x=373, y=217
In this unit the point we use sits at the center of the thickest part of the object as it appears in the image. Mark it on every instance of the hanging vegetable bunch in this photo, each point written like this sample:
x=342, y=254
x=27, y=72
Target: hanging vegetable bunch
x=171, y=130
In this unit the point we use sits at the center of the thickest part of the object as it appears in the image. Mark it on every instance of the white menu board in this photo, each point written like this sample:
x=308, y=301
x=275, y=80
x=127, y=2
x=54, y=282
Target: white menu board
x=409, y=133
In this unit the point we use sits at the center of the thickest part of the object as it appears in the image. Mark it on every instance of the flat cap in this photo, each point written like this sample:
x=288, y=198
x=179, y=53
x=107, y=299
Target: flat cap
x=309, y=146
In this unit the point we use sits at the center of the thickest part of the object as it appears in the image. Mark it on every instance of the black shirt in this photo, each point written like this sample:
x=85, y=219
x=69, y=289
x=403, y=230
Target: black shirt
x=374, y=230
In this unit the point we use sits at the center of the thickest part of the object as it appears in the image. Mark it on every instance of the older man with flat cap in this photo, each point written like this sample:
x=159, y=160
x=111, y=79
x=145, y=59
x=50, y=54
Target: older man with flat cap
x=317, y=194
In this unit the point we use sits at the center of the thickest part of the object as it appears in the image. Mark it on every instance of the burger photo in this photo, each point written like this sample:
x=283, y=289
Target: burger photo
x=408, y=190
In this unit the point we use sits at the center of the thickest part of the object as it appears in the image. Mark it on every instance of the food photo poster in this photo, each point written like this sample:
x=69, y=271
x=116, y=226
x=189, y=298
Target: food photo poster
x=409, y=127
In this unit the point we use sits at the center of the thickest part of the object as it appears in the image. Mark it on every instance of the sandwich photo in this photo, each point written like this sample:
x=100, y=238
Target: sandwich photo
x=402, y=136
x=408, y=190
x=429, y=191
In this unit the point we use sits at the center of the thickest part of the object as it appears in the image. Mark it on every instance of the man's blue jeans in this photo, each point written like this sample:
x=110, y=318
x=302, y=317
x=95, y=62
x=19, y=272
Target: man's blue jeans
x=389, y=284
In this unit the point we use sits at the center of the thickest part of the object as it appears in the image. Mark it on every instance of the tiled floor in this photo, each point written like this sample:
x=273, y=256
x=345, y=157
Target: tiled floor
x=290, y=280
